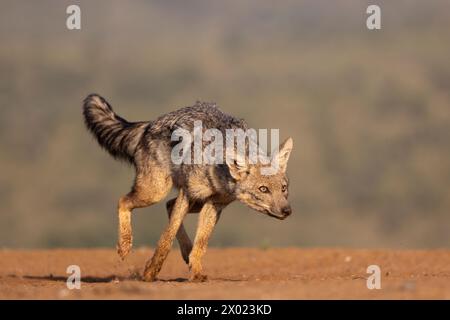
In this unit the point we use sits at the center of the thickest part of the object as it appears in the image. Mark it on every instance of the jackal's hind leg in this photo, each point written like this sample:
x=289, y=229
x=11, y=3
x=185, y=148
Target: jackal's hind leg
x=125, y=233
x=147, y=190
x=182, y=237
x=180, y=208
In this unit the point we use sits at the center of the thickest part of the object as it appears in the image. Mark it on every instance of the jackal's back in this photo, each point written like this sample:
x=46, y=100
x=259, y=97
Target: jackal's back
x=206, y=112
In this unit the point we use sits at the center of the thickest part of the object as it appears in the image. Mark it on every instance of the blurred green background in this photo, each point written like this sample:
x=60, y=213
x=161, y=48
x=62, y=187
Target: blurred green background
x=369, y=112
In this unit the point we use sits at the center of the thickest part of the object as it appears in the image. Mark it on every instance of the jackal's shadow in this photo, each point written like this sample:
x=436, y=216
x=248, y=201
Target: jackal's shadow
x=111, y=278
x=86, y=279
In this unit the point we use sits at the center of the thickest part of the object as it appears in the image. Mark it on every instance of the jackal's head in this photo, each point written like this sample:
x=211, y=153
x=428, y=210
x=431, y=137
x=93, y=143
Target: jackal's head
x=265, y=193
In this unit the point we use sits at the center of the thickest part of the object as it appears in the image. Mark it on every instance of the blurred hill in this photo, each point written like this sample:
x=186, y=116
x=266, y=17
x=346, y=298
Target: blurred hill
x=368, y=111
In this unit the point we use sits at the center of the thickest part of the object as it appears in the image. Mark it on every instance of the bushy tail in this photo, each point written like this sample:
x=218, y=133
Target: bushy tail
x=118, y=136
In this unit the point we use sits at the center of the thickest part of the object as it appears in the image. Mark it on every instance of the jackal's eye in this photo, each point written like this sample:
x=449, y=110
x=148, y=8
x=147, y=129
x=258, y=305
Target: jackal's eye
x=264, y=189
x=284, y=188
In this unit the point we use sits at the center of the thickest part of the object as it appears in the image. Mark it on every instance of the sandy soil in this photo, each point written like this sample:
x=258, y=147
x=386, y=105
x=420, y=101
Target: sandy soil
x=234, y=273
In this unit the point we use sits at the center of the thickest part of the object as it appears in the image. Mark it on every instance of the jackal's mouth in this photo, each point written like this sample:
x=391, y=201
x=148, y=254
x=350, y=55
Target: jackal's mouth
x=266, y=211
x=262, y=209
x=279, y=217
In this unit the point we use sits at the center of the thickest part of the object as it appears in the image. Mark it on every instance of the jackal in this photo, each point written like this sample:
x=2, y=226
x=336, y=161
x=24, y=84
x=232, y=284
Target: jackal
x=203, y=189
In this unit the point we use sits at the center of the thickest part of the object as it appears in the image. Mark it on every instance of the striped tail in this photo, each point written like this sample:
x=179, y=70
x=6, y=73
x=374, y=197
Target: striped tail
x=116, y=135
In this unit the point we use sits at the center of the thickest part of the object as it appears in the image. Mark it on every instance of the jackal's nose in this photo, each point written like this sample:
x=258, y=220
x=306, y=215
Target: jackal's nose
x=286, y=211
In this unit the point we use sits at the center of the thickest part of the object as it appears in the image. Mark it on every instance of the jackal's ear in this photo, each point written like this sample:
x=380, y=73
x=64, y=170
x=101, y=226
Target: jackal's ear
x=282, y=156
x=237, y=166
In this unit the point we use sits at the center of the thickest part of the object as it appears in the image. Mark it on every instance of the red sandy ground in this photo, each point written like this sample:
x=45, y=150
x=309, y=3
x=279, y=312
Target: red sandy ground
x=234, y=273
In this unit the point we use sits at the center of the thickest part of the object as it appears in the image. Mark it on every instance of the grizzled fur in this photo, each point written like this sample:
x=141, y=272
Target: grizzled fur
x=204, y=189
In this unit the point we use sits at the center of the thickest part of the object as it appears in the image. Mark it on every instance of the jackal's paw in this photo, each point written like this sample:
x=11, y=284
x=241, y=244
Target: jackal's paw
x=124, y=247
x=198, y=278
x=149, y=276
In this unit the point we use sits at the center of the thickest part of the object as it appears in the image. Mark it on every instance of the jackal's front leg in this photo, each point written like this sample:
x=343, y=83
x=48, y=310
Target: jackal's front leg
x=183, y=239
x=208, y=217
x=179, y=211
